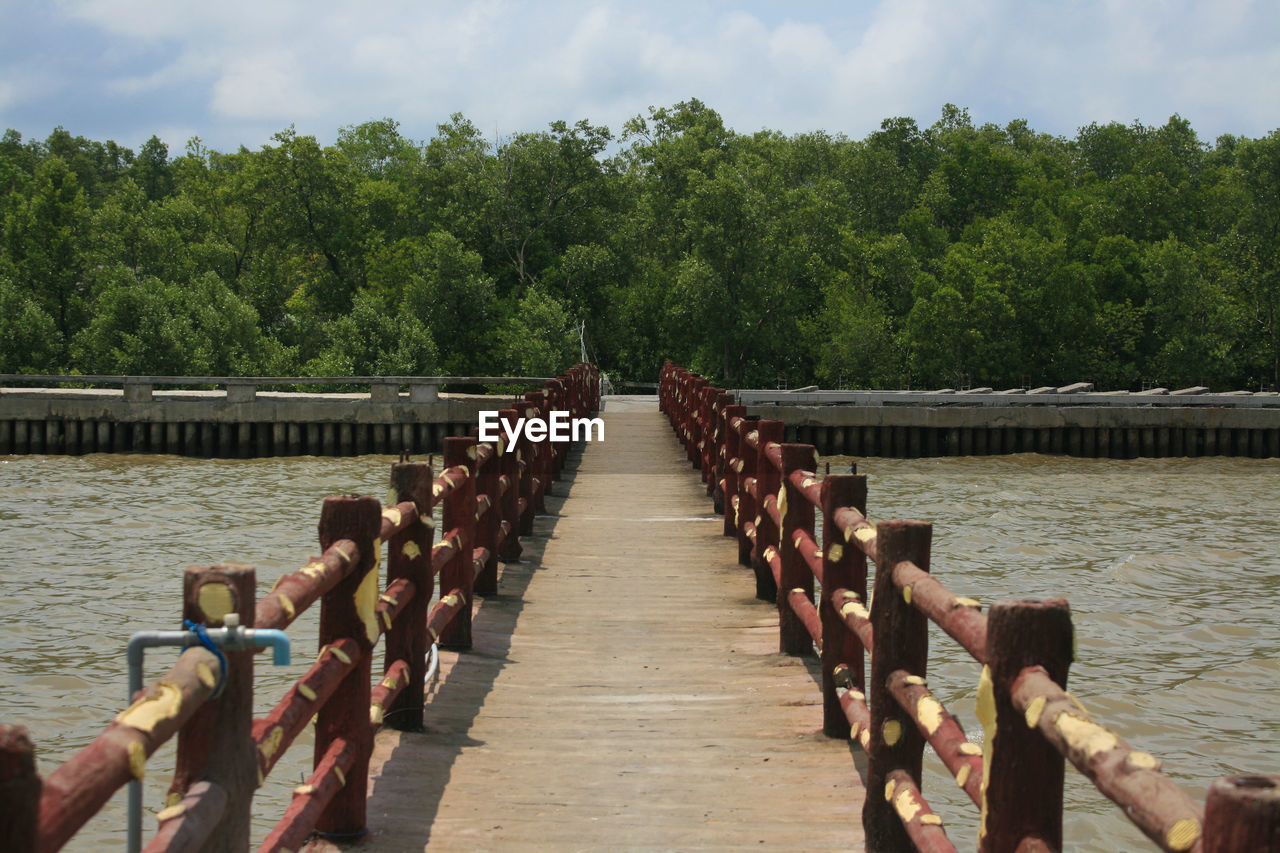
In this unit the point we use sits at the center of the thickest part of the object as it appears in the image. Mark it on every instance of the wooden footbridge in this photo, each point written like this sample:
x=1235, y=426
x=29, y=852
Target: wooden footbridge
x=620, y=683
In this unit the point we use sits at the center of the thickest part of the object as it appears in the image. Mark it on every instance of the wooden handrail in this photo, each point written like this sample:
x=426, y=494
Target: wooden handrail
x=1025, y=647
x=223, y=754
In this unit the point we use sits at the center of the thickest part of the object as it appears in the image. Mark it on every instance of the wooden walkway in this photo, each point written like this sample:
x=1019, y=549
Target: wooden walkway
x=624, y=691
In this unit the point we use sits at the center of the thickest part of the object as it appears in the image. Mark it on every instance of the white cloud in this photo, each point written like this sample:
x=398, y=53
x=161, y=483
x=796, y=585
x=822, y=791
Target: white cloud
x=509, y=66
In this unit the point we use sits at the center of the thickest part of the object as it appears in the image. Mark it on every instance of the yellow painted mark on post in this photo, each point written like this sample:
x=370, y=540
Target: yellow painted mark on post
x=1083, y=735
x=386, y=621
x=411, y=550
x=855, y=607
x=150, y=711
x=914, y=680
x=906, y=805
x=137, y=760
x=782, y=503
x=966, y=602
x=865, y=739
x=286, y=604
x=986, y=711
x=342, y=777
x=271, y=743
x=963, y=776
x=891, y=731
x=1143, y=761
x=906, y=593
x=1077, y=702
x=377, y=553
x=314, y=569
x=215, y=601
x=340, y=654
x=1184, y=834
x=1034, y=710
x=797, y=541
x=171, y=812
x=889, y=788
x=807, y=482
x=304, y=790
x=366, y=604
x=204, y=673
x=930, y=712
x=375, y=714
x=970, y=749
x=835, y=552
x=307, y=693
x=172, y=798
x=754, y=435
x=473, y=451
x=437, y=490
x=392, y=515
x=758, y=519
x=930, y=820
x=863, y=534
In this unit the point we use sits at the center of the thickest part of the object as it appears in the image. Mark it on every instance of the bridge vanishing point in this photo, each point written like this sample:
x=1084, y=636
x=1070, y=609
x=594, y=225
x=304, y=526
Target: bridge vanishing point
x=624, y=689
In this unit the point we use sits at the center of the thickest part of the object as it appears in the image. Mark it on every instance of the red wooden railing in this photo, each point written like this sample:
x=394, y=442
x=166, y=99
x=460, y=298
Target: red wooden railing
x=770, y=492
x=490, y=493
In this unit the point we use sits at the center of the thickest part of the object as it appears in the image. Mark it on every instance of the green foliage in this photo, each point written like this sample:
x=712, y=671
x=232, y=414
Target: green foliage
x=932, y=255
x=373, y=340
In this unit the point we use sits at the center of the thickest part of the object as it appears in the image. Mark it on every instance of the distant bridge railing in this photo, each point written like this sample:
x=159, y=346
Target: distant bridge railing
x=489, y=493
x=769, y=491
x=244, y=389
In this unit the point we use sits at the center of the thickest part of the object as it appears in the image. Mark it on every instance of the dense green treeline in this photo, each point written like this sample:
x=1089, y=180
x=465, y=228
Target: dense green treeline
x=936, y=256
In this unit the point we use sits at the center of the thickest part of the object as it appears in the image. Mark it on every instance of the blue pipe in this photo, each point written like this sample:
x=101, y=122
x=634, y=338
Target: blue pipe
x=232, y=637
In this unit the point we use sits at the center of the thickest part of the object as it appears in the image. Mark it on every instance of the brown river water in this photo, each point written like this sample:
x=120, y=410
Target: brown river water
x=1172, y=568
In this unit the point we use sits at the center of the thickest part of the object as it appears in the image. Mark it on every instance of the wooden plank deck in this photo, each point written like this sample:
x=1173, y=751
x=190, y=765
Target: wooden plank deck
x=624, y=691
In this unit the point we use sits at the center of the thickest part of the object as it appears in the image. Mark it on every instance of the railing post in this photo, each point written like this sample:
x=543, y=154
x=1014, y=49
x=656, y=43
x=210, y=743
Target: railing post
x=409, y=556
x=460, y=515
x=486, y=582
x=349, y=610
x=901, y=642
x=216, y=745
x=1022, y=783
x=509, y=467
x=768, y=480
x=1243, y=813
x=732, y=454
x=19, y=789
x=797, y=514
x=538, y=456
x=720, y=436
x=844, y=566
x=748, y=507
x=554, y=450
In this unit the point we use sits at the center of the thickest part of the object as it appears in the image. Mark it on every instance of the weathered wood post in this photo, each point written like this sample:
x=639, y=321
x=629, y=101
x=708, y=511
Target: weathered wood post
x=487, y=526
x=732, y=465
x=719, y=454
x=797, y=515
x=538, y=456
x=1022, y=785
x=748, y=507
x=349, y=610
x=693, y=418
x=901, y=642
x=509, y=468
x=1243, y=813
x=555, y=451
x=19, y=789
x=217, y=744
x=460, y=516
x=409, y=556
x=844, y=566
x=768, y=481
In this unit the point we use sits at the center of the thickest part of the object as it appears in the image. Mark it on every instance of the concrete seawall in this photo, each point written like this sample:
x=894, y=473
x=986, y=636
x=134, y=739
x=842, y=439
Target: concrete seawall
x=1116, y=431
x=207, y=423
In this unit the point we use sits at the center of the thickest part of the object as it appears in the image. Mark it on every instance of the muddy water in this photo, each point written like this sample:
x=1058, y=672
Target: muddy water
x=93, y=550
x=1172, y=568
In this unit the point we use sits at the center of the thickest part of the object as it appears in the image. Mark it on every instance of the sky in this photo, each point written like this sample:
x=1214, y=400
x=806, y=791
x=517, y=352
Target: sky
x=233, y=72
